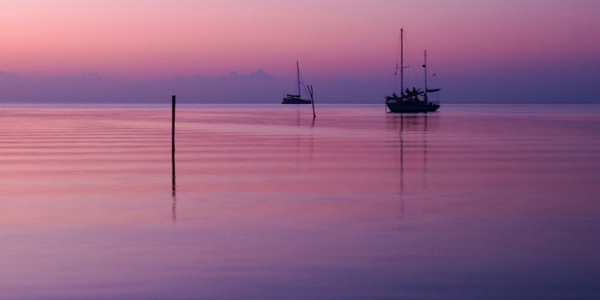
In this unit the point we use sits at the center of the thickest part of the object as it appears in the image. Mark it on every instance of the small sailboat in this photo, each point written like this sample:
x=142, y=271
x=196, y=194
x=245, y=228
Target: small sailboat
x=408, y=101
x=296, y=99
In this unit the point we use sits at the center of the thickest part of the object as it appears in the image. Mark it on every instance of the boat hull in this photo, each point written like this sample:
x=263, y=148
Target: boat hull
x=295, y=101
x=412, y=108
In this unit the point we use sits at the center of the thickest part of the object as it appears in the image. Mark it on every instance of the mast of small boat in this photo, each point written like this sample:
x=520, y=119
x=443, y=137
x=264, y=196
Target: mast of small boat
x=298, y=76
x=425, y=67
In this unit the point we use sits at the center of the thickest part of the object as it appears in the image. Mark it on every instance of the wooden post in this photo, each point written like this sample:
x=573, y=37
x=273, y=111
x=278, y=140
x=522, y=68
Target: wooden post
x=174, y=204
x=173, y=140
x=173, y=143
x=173, y=126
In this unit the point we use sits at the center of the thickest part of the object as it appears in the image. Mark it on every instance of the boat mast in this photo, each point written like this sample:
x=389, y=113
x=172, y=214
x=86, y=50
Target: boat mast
x=401, y=61
x=298, y=76
x=425, y=67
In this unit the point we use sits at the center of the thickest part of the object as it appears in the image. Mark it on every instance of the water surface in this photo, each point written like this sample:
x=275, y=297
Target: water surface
x=471, y=202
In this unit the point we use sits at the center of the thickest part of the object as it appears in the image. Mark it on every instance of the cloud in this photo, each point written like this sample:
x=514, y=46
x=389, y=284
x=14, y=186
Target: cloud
x=527, y=85
x=254, y=87
x=93, y=88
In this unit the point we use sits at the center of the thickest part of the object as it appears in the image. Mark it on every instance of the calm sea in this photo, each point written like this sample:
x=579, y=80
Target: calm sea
x=471, y=202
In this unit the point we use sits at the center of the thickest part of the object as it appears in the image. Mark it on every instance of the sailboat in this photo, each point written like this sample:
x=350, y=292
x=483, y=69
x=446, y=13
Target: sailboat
x=408, y=101
x=296, y=99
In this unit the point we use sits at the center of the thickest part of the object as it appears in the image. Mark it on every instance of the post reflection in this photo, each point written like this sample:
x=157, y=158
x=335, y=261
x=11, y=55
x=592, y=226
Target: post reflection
x=173, y=188
x=303, y=141
x=174, y=197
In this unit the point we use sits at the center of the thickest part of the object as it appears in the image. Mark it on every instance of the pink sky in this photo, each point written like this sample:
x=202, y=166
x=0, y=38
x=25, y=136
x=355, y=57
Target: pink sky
x=333, y=39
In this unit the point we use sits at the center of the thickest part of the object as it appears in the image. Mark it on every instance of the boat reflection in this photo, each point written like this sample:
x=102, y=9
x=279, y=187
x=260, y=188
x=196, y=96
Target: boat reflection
x=412, y=141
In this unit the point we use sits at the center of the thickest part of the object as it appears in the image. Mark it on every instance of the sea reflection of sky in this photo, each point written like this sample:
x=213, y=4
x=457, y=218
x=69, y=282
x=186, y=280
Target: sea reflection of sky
x=359, y=204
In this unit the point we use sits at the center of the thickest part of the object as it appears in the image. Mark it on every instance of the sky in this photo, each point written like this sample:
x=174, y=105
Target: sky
x=226, y=51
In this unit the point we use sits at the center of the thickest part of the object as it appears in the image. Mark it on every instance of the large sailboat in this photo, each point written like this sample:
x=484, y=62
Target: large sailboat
x=408, y=101
x=296, y=99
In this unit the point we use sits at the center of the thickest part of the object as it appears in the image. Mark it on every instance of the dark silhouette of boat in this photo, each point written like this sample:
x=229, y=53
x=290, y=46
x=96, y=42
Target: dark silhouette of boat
x=410, y=100
x=296, y=99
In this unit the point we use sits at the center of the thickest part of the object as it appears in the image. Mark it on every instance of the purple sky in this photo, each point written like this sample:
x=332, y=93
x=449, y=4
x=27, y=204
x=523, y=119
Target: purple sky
x=245, y=51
